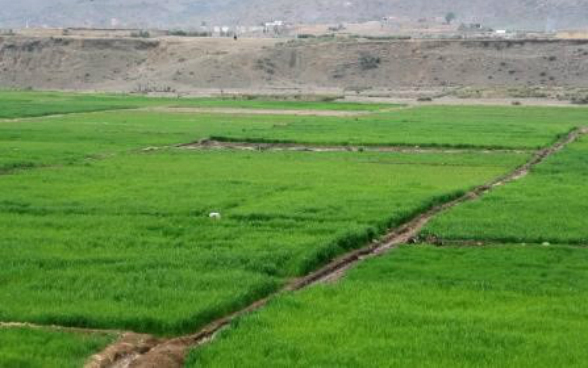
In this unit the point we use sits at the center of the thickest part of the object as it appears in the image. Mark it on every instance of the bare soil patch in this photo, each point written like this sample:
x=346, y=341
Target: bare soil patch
x=247, y=111
x=211, y=144
x=128, y=347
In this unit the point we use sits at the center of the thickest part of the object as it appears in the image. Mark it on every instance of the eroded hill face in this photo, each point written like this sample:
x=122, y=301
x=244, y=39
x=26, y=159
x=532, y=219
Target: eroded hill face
x=190, y=64
x=535, y=14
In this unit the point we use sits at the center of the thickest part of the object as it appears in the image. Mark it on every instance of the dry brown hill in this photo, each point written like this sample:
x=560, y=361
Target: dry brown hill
x=189, y=64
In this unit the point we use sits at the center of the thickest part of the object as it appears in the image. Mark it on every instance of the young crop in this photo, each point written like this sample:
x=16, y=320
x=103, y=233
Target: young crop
x=127, y=242
x=33, y=347
x=424, y=306
x=106, y=222
x=74, y=139
x=549, y=205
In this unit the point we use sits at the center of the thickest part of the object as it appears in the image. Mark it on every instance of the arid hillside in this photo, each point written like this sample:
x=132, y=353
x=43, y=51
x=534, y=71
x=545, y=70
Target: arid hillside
x=181, y=64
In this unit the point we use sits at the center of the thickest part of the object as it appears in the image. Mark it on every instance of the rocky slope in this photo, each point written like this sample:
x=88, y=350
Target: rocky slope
x=171, y=64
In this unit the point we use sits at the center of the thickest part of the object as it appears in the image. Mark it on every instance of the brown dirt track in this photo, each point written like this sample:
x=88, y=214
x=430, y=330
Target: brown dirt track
x=211, y=144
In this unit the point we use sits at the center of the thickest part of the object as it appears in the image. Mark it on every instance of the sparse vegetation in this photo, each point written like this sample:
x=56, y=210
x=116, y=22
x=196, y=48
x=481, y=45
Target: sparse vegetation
x=182, y=33
x=450, y=17
x=141, y=34
x=381, y=38
x=507, y=92
x=580, y=100
x=369, y=62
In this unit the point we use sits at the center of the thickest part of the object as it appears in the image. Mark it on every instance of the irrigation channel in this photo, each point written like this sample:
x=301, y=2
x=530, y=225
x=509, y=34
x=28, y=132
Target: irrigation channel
x=212, y=144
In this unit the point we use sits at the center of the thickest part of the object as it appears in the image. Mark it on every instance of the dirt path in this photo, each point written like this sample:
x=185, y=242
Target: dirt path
x=127, y=348
x=456, y=101
x=171, y=353
x=211, y=144
x=214, y=110
x=248, y=111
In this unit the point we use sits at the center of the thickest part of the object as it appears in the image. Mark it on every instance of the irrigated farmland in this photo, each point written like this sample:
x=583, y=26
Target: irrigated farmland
x=127, y=242
x=62, y=140
x=500, y=306
x=37, y=104
x=549, y=205
x=167, y=215
x=428, y=126
x=38, y=348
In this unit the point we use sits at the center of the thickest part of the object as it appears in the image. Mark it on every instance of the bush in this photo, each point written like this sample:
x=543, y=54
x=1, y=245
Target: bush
x=141, y=34
x=182, y=33
x=583, y=100
x=368, y=62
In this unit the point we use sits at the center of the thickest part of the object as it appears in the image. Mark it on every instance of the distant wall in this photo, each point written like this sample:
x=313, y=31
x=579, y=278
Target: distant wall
x=572, y=35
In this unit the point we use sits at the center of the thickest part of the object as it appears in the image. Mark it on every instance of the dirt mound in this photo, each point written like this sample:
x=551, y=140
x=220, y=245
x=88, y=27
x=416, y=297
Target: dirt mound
x=173, y=64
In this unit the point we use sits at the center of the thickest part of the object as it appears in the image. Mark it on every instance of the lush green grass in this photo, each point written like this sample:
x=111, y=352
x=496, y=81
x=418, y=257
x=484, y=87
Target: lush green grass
x=20, y=104
x=103, y=234
x=260, y=103
x=38, y=348
x=34, y=104
x=127, y=242
x=69, y=139
x=509, y=306
x=550, y=205
x=453, y=126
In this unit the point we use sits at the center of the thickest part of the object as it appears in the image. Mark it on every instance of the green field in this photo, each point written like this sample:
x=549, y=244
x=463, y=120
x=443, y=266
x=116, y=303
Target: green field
x=436, y=126
x=69, y=139
x=16, y=104
x=104, y=223
x=39, y=348
x=549, y=205
x=498, y=306
x=127, y=242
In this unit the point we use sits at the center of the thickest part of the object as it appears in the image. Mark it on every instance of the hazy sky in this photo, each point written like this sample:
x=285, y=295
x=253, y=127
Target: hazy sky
x=536, y=14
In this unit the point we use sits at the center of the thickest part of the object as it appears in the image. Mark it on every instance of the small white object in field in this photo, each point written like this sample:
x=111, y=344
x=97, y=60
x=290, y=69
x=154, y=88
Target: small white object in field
x=546, y=244
x=215, y=215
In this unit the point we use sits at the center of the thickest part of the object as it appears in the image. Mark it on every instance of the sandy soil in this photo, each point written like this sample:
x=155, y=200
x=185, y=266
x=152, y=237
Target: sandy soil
x=247, y=111
x=454, y=101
